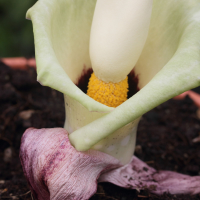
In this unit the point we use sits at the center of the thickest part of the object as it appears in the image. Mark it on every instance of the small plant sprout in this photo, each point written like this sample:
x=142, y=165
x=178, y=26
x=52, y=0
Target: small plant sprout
x=139, y=54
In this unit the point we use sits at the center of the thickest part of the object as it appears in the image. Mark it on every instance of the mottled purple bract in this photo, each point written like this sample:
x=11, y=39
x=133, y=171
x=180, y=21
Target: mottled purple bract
x=56, y=171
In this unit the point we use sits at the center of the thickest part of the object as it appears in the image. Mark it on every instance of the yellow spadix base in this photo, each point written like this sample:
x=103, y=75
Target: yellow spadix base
x=110, y=94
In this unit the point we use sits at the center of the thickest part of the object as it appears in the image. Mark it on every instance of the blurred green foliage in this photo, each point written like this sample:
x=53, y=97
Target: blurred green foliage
x=16, y=35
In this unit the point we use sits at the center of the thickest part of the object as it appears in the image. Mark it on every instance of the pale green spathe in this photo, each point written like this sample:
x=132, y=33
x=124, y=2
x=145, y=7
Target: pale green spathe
x=169, y=63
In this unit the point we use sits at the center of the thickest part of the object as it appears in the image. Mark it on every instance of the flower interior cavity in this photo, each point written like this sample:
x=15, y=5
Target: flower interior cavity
x=133, y=80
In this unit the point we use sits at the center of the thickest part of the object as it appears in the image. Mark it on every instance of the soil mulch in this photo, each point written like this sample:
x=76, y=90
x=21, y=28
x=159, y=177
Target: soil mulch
x=165, y=136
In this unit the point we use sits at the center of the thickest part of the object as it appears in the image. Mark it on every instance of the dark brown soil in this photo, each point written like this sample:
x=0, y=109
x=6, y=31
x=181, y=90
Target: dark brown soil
x=165, y=135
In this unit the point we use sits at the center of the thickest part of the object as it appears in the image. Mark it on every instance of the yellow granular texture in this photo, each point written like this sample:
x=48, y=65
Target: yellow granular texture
x=110, y=94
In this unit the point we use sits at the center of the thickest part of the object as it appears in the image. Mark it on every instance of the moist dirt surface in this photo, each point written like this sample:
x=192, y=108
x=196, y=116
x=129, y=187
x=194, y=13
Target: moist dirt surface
x=168, y=136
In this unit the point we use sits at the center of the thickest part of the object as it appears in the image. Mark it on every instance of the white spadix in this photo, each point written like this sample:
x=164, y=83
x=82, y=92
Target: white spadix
x=118, y=34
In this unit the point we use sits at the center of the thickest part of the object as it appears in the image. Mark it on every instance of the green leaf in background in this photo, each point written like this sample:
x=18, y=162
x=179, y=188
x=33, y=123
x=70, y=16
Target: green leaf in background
x=16, y=35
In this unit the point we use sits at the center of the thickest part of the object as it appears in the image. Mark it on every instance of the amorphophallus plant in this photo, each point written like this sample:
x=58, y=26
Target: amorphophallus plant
x=154, y=43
